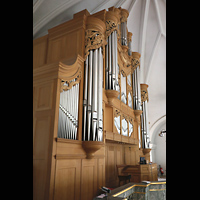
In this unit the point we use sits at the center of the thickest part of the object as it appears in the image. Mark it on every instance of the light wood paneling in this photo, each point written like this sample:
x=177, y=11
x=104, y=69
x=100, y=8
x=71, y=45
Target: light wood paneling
x=88, y=179
x=67, y=181
x=39, y=51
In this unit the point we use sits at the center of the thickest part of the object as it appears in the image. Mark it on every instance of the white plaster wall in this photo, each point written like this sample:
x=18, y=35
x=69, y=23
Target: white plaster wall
x=159, y=147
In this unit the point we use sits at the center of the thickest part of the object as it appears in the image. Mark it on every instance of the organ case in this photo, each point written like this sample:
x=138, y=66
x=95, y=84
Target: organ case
x=86, y=98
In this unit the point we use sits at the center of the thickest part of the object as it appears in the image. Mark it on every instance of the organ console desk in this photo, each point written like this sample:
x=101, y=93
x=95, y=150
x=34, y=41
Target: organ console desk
x=139, y=173
x=88, y=106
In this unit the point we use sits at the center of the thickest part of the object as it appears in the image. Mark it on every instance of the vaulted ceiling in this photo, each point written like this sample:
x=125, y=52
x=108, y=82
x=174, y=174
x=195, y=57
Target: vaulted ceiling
x=147, y=22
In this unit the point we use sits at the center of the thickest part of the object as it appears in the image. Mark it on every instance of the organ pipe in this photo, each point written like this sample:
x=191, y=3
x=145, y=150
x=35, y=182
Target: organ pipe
x=112, y=62
x=144, y=117
x=68, y=112
x=93, y=124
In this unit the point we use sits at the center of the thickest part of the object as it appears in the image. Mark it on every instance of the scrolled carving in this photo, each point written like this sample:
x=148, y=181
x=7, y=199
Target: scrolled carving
x=93, y=40
x=144, y=92
x=144, y=96
x=67, y=85
x=110, y=27
x=124, y=15
x=135, y=61
x=70, y=72
x=94, y=34
x=116, y=113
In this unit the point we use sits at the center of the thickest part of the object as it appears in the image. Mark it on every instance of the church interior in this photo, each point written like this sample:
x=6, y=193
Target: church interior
x=99, y=99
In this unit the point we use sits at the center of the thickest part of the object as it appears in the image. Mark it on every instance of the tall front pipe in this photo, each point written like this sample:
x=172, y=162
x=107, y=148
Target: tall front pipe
x=109, y=63
x=139, y=90
x=94, y=102
x=107, y=71
x=116, y=61
x=89, y=97
x=113, y=60
x=100, y=86
x=85, y=98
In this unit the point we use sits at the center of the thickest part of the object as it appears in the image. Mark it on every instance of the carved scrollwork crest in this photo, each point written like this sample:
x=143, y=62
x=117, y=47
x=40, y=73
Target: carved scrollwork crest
x=110, y=27
x=116, y=113
x=134, y=64
x=93, y=40
x=144, y=96
x=67, y=85
x=144, y=92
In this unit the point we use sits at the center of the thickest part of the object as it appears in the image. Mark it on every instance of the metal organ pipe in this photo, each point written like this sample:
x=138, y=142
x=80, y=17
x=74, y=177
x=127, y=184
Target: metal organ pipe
x=112, y=62
x=109, y=63
x=85, y=98
x=145, y=126
x=107, y=71
x=94, y=100
x=93, y=124
x=116, y=61
x=100, y=86
x=68, y=112
x=123, y=33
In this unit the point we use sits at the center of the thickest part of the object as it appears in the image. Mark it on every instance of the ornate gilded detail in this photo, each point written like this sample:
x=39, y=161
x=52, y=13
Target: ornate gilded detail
x=124, y=15
x=129, y=37
x=144, y=96
x=144, y=92
x=67, y=85
x=93, y=40
x=134, y=64
x=116, y=113
x=110, y=27
x=94, y=34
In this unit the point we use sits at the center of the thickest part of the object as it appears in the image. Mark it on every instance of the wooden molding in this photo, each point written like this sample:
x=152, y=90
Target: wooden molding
x=68, y=70
x=91, y=147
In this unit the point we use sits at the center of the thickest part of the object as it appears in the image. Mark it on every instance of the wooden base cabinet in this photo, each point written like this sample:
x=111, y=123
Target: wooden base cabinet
x=143, y=172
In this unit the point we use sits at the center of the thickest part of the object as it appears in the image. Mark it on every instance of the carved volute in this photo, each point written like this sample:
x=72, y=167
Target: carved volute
x=95, y=34
x=144, y=92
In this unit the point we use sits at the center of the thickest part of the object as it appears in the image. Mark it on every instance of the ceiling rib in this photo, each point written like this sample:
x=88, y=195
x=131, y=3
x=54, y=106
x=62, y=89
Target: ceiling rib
x=132, y=4
x=158, y=16
x=53, y=14
x=143, y=28
x=119, y=3
x=36, y=5
x=152, y=56
x=97, y=8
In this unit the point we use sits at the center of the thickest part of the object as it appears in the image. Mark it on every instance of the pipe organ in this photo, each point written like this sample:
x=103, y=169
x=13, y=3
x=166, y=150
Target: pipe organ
x=144, y=118
x=87, y=107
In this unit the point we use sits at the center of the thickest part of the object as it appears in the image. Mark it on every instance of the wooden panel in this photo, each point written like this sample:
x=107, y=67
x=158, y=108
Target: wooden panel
x=114, y=155
x=101, y=172
x=67, y=180
x=127, y=156
x=118, y=151
x=110, y=172
x=39, y=177
x=135, y=178
x=108, y=118
x=44, y=97
x=39, y=51
x=133, y=156
x=145, y=177
x=67, y=46
x=55, y=50
x=41, y=137
x=144, y=168
x=89, y=179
